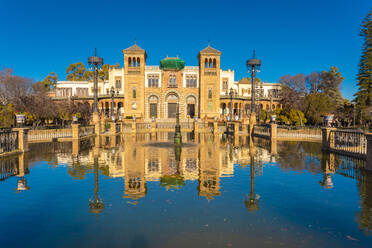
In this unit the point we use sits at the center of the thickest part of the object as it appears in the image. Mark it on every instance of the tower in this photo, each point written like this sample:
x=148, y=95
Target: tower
x=209, y=74
x=134, y=81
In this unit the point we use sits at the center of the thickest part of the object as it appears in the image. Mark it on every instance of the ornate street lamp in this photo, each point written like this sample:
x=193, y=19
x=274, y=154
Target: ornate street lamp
x=231, y=93
x=95, y=62
x=112, y=92
x=253, y=66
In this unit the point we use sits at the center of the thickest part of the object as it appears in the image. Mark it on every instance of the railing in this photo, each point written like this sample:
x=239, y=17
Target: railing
x=37, y=135
x=353, y=142
x=86, y=131
x=299, y=133
x=261, y=131
x=141, y=126
x=8, y=167
x=8, y=141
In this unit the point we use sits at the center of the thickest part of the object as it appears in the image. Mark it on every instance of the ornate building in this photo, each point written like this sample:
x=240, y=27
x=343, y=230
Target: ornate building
x=149, y=92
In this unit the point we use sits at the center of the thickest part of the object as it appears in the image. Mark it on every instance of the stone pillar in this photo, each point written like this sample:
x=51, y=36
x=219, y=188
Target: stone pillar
x=273, y=131
x=96, y=123
x=196, y=127
x=327, y=142
x=113, y=128
x=245, y=124
x=22, y=139
x=236, y=128
x=206, y=128
x=75, y=147
x=103, y=123
x=75, y=131
x=215, y=127
x=369, y=151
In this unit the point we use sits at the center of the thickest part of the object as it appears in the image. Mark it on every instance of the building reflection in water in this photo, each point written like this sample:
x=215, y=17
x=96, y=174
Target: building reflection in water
x=206, y=163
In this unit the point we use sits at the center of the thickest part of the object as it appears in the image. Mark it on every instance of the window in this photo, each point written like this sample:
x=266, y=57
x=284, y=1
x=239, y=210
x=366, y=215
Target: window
x=172, y=82
x=153, y=110
x=134, y=93
x=210, y=93
x=224, y=84
x=190, y=81
x=153, y=81
x=118, y=83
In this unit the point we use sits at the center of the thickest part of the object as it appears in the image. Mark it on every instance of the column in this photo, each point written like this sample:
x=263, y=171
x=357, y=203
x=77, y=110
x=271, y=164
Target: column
x=327, y=142
x=215, y=127
x=273, y=131
x=113, y=128
x=75, y=131
x=22, y=139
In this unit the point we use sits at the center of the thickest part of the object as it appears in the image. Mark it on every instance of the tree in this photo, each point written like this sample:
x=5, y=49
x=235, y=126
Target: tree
x=50, y=81
x=330, y=84
x=78, y=72
x=313, y=81
x=103, y=72
x=364, y=76
x=316, y=105
x=293, y=92
x=12, y=87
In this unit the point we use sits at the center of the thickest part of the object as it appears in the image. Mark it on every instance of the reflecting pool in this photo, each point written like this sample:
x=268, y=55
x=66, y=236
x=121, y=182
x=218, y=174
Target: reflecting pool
x=140, y=191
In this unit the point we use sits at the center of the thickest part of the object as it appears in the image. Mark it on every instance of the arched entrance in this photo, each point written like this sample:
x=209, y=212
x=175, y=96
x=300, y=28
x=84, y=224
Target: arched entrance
x=191, y=103
x=172, y=101
x=153, y=106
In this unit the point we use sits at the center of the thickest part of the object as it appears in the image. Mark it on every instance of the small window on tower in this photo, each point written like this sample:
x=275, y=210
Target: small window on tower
x=134, y=93
x=210, y=93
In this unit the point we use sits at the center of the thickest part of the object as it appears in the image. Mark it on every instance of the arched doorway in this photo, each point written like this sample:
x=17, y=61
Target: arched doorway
x=153, y=106
x=172, y=101
x=191, y=103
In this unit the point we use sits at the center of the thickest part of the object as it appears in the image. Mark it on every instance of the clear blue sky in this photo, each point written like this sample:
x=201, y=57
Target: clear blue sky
x=38, y=37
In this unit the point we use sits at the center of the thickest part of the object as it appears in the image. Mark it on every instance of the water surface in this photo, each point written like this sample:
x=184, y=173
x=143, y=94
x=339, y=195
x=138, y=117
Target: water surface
x=214, y=192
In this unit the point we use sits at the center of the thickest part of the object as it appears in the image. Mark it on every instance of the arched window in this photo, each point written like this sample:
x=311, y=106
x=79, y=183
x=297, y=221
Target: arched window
x=129, y=62
x=172, y=82
x=214, y=63
x=273, y=106
x=206, y=63
x=210, y=63
x=138, y=62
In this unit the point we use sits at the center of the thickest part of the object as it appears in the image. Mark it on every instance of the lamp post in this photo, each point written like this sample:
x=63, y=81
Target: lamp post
x=112, y=92
x=231, y=93
x=95, y=62
x=253, y=66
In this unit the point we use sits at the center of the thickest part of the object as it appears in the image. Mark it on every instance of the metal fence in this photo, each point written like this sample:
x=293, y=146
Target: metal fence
x=37, y=135
x=8, y=167
x=354, y=141
x=8, y=141
x=261, y=131
x=299, y=133
x=86, y=131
